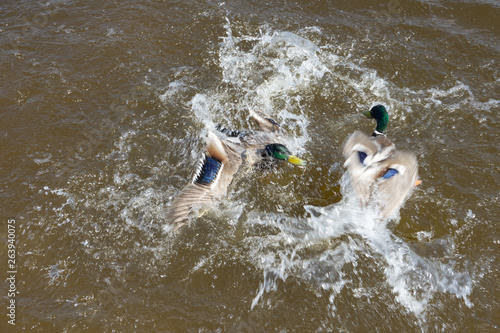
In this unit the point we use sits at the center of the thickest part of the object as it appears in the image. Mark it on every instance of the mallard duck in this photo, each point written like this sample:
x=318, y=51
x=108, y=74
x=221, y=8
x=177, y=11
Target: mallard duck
x=222, y=160
x=379, y=173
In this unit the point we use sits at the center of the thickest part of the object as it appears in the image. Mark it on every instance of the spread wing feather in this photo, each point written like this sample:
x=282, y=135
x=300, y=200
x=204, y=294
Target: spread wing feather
x=211, y=180
x=191, y=196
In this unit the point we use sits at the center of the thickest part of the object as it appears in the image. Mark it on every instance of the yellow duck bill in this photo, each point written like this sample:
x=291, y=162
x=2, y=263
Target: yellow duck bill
x=296, y=161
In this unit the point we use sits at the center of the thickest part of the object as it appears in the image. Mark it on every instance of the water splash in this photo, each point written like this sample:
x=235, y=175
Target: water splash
x=334, y=245
x=269, y=72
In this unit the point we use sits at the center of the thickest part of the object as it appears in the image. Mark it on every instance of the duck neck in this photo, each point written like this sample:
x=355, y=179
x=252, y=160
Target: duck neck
x=382, y=123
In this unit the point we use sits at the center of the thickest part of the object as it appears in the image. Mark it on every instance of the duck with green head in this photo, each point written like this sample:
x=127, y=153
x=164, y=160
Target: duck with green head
x=379, y=173
x=222, y=159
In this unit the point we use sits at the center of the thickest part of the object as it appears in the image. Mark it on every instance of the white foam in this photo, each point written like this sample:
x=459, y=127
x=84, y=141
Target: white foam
x=174, y=92
x=357, y=235
x=203, y=107
x=271, y=75
x=43, y=160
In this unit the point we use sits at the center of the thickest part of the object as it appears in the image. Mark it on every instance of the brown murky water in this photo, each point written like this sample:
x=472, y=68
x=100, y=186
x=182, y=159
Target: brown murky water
x=105, y=108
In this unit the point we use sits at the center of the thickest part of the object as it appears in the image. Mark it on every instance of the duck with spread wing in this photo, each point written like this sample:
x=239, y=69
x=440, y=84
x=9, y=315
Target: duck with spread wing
x=222, y=159
x=379, y=173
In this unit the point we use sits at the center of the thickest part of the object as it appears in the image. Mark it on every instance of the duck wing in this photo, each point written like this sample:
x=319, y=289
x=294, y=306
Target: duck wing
x=270, y=131
x=265, y=122
x=378, y=172
x=215, y=172
x=191, y=196
x=362, y=151
x=397, y=177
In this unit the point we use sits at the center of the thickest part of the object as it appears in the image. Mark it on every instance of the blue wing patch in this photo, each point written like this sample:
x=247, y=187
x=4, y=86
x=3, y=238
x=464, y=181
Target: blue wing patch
x=390, y=173
x=362, y=157
x=209, y=171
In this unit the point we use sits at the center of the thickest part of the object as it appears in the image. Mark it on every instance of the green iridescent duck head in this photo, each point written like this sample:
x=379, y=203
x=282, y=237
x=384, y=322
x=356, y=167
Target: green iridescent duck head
x=379, y=113
x=280, y=152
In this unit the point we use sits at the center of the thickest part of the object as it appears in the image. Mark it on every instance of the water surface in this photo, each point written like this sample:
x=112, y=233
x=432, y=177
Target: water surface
x=104, y=112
